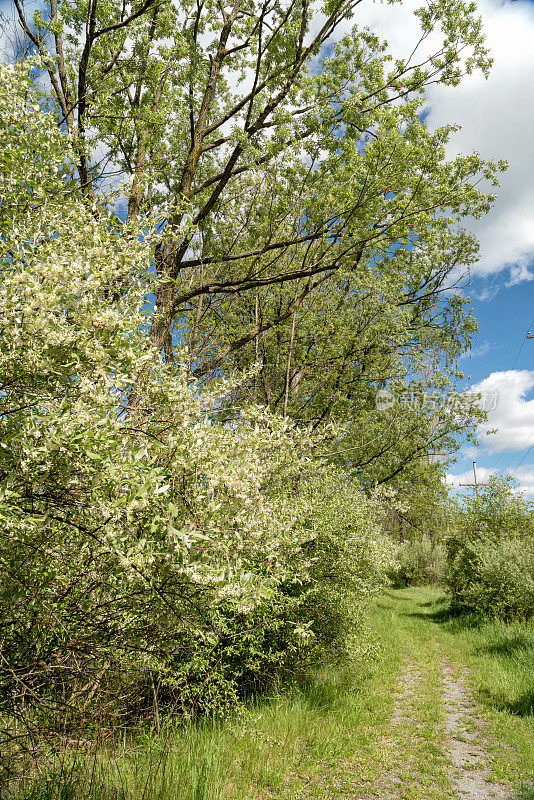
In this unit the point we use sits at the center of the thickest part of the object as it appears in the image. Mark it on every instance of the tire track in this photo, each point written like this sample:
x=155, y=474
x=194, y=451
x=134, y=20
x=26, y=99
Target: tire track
x=469, y=772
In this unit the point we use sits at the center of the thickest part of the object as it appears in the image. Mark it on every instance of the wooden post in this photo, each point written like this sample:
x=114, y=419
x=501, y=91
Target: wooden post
x=476, y=482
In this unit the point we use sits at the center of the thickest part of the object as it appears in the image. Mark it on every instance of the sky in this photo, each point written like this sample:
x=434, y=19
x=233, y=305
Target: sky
x=497, y=119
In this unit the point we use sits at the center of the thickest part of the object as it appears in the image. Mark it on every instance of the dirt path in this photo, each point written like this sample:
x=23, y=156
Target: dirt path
x=469, y=773
x=460, y=768
x=416, y=726
x=436, y=736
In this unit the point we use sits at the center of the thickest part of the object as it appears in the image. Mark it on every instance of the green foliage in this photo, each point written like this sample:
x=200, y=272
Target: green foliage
x=266, y=746
x=500, y=578
x=490, y=552
x=495, y=656
x=158, y=556
x=188, y=355
x=313, y=222
x=419, y=562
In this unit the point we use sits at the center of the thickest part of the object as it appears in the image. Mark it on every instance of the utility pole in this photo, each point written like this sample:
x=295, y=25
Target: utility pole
x=476, y=484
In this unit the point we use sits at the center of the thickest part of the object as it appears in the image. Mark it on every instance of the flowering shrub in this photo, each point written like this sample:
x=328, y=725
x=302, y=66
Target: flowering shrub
x=156, y=555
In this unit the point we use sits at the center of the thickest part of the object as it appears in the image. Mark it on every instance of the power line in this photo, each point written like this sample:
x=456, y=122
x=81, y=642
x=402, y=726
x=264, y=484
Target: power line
x=528, y=336
x=519, y=352
x=522, y=459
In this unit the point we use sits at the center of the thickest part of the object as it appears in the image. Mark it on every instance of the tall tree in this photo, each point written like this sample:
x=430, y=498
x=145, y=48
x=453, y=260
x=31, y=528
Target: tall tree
x=275, y=158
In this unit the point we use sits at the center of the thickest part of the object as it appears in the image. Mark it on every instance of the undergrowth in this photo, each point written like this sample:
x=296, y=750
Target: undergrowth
x=331, y=736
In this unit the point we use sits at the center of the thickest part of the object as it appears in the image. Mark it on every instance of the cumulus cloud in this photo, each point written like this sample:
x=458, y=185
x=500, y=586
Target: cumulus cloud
x=511, y=414
x=525, y=476
x=496, y=117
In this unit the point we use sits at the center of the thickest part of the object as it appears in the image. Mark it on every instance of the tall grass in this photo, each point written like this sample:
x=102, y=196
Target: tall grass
x=259, y=752
x=505, y=653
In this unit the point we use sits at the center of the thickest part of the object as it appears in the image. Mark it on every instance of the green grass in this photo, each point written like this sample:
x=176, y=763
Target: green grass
x=338, y=736
x=498, y=660
x=499, y=657
x=276, y=749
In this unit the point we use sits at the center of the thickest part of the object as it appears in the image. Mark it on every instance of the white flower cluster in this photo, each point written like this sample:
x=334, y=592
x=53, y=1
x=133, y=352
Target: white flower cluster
x=158, y=498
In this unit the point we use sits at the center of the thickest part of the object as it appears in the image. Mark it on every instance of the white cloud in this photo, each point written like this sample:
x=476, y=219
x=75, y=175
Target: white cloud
x=10, y=38
x=470, y=452
x=496, y=115
x=513, y=415
x=487, y=293
x=525, y=476
x=497, y=118
x=476, y=352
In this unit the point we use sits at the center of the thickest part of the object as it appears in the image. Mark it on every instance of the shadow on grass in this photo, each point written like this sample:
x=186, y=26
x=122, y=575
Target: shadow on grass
x=508, y=645
x=441, y=612
x=526, y=793
x=522, y=706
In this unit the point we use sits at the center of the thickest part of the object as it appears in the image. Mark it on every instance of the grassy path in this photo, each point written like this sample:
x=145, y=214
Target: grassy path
x=471, y=679
x=442, y=709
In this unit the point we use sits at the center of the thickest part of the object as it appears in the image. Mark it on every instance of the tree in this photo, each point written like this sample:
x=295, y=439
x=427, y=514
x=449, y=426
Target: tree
x=161, y=560
x=274, y=162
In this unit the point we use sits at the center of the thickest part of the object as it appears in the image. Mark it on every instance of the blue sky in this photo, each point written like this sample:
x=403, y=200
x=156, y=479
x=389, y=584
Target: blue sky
x=502, y=360
x=497, y=119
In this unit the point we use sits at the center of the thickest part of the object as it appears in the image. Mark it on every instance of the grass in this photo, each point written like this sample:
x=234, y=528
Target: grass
x=499, y=657
x=276, y=749
x=498, y=660
x=342, y=734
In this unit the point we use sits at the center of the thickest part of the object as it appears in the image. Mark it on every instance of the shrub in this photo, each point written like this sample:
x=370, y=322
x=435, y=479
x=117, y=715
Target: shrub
x=495, y=577
x=419, y=562
x=490, y=554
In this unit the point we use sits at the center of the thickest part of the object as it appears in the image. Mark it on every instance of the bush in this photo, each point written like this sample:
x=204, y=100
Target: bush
x=495, y=578
x=419, y=562
x=490, y=554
